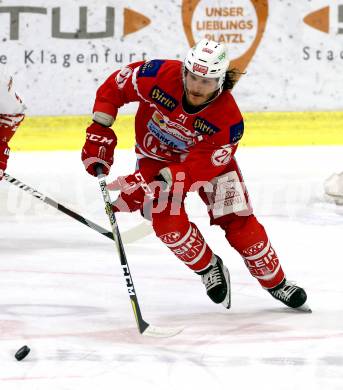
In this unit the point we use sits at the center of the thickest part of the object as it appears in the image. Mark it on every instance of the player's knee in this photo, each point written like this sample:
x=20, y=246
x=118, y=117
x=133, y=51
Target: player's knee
x=163, y=222
x=237, y=227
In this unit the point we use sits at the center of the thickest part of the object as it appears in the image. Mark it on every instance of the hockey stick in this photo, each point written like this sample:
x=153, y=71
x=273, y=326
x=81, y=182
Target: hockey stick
x=132, y=235
x=143, y=327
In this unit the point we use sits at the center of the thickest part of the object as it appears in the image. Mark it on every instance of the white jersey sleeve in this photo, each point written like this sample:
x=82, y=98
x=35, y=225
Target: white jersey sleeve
x=11, y=108
x=10, y=102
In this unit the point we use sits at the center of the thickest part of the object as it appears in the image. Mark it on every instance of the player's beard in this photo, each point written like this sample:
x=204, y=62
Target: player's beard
x=198, y=99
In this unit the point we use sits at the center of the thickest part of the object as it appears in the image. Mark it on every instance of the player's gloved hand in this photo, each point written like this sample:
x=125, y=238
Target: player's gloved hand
x=11, y=120
x=4, y=154
x=98, y=148
x=174, y=179
x=9, y=124
x=134, y=191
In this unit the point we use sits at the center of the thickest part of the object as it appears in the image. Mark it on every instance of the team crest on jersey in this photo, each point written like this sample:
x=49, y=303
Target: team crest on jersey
x=150, y=68
x=236, y=132
x=163, y=99
x=202, y=126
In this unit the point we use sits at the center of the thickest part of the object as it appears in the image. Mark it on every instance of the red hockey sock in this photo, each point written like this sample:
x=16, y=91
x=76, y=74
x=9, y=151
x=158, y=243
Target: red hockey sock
x=183, y=239
x=249, y=238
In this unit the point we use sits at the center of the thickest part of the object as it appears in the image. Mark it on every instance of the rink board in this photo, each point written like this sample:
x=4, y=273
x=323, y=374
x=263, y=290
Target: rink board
x=261, y=129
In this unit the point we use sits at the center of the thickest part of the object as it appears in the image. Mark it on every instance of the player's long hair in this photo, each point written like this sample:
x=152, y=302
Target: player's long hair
x=231, y=78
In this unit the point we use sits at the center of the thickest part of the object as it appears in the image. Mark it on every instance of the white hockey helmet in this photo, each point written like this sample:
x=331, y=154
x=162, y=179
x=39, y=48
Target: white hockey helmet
x=208, y=59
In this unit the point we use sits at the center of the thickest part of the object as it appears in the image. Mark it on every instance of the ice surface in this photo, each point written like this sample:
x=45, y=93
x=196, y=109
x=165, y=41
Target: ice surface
x=63, y=294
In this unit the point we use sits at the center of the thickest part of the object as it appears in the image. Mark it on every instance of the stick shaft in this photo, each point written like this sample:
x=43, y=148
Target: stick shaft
x=58, y=206
x=141, y=324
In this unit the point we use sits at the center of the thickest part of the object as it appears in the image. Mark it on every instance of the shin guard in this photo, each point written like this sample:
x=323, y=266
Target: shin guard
x=249, y=238
x=184, y=240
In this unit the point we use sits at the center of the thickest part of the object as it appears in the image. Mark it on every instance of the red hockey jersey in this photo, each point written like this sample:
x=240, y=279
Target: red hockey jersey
x=200, y=144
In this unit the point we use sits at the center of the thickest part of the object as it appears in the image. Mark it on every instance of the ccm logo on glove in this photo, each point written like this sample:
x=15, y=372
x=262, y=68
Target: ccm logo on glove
x=100, y=139
x=98, y=148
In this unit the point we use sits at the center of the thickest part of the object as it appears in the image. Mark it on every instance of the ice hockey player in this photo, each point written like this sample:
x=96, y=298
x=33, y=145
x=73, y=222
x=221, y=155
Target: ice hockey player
x=11, y=115
x=187, y=130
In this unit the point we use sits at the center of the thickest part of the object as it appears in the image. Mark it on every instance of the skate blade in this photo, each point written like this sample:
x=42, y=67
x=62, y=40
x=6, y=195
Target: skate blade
x=227, y=301
x=305, y=308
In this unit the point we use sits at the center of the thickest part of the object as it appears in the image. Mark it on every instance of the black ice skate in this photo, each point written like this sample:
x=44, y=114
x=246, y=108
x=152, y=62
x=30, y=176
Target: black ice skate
x=217, y=282
x=291, y=295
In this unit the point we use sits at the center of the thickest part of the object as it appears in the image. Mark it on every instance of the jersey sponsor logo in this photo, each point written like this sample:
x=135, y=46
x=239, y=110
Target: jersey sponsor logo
x=152, y=147
x=202, y=126
x=172, y=128
x=164, y=137
x=221, y=156
x=254, y=249
x=182, y=130
x=236, y=132
x=123, y=76
x=200, y=68
x=163, y=99
x=159, y=120
x=150, y=68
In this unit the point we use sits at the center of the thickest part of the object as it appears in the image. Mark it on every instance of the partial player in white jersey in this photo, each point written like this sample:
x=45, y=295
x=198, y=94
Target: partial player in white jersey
x=333, y=187
x=11, y=115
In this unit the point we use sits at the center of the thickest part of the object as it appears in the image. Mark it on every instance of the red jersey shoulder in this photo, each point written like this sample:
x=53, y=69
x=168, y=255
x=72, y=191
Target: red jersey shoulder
x=232, y=117
x=160, y=81
x=157, y=68
x=221, y=121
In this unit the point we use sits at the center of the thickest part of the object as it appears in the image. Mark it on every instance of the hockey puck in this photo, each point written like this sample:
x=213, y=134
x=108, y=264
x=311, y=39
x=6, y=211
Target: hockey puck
x=22, y=352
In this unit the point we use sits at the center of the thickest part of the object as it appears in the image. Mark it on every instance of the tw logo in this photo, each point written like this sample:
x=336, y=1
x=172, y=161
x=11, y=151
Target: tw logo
x=133, y=21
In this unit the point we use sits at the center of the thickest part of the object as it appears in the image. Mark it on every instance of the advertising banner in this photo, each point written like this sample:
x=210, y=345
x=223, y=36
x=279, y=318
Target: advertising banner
x=60, y=51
